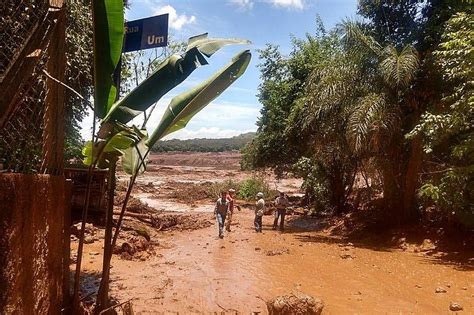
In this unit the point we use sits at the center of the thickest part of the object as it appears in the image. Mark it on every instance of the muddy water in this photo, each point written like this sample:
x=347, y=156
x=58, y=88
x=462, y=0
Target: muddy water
x=195, y=271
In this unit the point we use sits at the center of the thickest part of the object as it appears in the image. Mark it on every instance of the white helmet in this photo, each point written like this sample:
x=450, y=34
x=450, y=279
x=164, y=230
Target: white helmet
x=260, y=195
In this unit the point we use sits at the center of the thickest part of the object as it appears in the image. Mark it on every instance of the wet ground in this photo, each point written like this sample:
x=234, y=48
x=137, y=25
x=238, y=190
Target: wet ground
x=194, y=271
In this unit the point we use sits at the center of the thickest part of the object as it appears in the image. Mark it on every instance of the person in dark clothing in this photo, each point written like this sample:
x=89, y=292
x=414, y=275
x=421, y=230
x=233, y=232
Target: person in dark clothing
x=281, y=203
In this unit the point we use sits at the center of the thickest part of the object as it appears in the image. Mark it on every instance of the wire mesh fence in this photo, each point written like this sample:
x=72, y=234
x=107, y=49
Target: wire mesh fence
x=18, y=19
x=25, y=34
x=21, y=139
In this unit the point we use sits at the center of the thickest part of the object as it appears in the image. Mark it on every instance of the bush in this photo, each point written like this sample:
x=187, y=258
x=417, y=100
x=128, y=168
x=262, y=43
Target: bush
x=246, y=189
x=249, y=188
x=216, y=188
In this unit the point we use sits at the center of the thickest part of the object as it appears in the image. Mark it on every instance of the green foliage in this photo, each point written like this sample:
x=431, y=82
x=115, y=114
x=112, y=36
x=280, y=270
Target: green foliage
x=217, y=188
x=246, y=189
x=344, y=100
x=107, y=41
x=249, y=188
x=187, y=104
x=78, y=74
x=447, y=129
x=204, y=145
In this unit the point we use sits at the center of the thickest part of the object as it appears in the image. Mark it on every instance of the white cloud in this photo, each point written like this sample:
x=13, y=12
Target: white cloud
x=290, y=4
x=176, y=21
x=243, y=4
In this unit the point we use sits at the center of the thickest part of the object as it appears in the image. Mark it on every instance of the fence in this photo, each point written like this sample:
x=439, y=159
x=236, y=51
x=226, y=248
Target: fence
x=31, y=106
x=34, y=207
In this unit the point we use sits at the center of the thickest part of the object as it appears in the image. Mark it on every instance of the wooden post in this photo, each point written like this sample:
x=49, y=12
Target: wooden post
x=54, y=116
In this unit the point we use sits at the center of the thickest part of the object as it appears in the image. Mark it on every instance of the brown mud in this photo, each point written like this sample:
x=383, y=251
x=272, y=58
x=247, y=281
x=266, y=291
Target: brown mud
x=190, y=270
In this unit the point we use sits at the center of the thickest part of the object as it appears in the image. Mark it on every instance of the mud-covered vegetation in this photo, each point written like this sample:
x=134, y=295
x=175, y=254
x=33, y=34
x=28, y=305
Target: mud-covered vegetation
x=246, y=189
x=376, y=113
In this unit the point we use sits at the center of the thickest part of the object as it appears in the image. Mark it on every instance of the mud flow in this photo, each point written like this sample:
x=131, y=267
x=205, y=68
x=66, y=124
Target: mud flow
x=186, y=268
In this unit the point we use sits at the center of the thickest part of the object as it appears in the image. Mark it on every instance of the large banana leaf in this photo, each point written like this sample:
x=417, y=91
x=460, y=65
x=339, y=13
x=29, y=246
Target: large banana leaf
x=108, y=39
x=184, y=106
x=134, y=157
x=169, y=74
x=113, y=146
x=208, y=46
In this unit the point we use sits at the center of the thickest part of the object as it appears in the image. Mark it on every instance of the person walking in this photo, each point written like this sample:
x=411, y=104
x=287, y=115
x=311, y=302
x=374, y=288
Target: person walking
x=220, y=211
x=281, y=203
x=259, y=210
x=230, y=199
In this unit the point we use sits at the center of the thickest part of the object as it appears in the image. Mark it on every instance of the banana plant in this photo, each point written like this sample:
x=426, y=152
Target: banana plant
x=115, y=139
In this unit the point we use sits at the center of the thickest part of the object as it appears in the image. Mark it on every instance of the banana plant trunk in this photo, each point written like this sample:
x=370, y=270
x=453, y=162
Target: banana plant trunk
x=103, y=294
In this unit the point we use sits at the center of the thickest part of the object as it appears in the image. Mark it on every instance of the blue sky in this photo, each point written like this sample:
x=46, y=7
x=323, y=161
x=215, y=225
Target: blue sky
x=260, y=21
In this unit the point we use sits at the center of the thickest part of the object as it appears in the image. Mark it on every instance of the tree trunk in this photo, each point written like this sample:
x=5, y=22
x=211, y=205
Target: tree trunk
x=400, y=182
x=337, y=190
x=415, y=160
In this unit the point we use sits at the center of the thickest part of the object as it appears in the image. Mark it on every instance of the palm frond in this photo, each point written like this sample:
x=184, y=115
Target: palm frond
x=362, y=121
x=399, y=69
x=354, y=35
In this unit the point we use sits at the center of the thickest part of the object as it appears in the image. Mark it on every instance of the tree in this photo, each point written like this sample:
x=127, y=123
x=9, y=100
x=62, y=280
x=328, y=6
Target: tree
x=79, y=57
x=447, y=129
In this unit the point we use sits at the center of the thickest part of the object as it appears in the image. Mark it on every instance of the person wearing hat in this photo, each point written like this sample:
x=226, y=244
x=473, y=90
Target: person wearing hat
x=220, y=211
x=259, y=210
x=281, y=202
x=230, y=213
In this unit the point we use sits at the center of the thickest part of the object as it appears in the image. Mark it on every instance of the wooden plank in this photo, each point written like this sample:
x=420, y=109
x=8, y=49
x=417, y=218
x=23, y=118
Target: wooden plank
x=54, y=116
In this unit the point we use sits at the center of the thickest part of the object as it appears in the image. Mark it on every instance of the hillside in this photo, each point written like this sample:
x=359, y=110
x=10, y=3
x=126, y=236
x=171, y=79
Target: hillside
x=204, y=145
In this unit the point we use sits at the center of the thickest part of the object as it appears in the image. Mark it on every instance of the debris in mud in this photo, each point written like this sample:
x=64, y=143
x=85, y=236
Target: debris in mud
x=134, y=204
x=455, y=307
x=180, y=222
x=347, y=256
x=276, y=252
x=298, y=303
x=91, y=233
x=189, y=193
x=135, y=247
x=440, y=290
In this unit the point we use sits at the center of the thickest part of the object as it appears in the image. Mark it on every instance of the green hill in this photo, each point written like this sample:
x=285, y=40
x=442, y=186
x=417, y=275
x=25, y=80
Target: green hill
x=204, y=145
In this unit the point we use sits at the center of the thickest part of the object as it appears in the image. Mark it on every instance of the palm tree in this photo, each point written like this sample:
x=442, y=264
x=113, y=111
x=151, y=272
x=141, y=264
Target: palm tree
x=364, y=88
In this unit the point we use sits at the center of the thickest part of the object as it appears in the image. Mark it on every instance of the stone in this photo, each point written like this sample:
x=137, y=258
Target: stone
x=455, y=307
x=88, y=240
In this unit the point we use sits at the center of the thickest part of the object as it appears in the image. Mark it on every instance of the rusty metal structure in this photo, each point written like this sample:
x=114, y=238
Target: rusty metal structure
x=34, y=195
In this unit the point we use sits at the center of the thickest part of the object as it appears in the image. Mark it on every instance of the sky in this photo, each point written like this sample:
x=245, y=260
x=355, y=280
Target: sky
x=260, y=21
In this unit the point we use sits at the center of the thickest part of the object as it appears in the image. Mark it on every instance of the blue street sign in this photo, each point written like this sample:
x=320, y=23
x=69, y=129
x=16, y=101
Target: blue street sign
x=146, y=33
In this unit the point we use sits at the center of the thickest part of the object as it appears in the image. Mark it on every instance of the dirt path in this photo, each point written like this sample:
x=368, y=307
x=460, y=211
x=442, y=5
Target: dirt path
x=195, y=271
